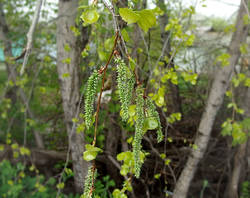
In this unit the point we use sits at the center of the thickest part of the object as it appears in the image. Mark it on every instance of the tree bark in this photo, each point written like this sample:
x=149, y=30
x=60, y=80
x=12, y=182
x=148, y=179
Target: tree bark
x=240, y=157
x=68, y=72
x=215, y=99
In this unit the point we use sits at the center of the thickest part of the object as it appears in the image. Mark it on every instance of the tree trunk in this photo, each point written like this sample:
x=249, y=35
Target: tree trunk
x=240, y=157
x=215, y=99
x=68, y=72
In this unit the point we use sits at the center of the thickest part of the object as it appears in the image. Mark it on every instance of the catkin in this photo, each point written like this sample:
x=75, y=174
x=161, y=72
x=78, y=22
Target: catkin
x=87, y=193
x=152, y=112
x=125, y=83
x=90, y=97
x=138, y=130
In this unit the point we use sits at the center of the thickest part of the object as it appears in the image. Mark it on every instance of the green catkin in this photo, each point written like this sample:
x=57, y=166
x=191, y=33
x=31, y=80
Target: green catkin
x=152, y=112
x=88, y=182
x=138, y=130
x=125, y=81
x=90, y=97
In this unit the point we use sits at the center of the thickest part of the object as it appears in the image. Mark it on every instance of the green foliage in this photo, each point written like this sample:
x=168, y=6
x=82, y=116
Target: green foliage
x=218, y=24
x=144, y=18
x=90, y=97
x=128, y=165
x=15, y=182
x=102, y=187
x=236, y=130
x=246, y=124
x=117, y=193
x=243, y=49
x=140, y=118
x=151, y=109
x=129, y=15
x=90, y=15
x=125, y=81
x=88, y=188
x=91, y=152
x=245, y=190
x=159, y=97
x=204, y=186
x=189, y=77
x=223, y=59
x=174, y=117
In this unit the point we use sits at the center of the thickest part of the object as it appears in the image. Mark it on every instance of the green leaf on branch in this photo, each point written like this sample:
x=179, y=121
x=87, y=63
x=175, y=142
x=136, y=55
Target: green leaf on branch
x=144, y=18
x=89, y=155
x=90, y=15
x=147, y=19
x=129, y=15
x=227, y=128
x=125, y=35
x=246, y=124
x=91, y=152
x=223, y=59
x=151, y=123
x=239, y=136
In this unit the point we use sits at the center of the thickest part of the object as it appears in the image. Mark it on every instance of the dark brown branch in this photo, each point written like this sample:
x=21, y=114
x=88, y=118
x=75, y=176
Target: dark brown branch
x=103, y=70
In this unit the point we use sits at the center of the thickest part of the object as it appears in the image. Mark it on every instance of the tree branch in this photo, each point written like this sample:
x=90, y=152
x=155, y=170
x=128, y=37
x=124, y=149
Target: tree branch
x=30, y=34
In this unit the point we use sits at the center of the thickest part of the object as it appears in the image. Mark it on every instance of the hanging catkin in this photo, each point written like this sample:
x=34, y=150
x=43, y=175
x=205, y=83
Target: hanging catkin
x=90, y=177
x=90, y=97
x=125, y=82
x=140, y=117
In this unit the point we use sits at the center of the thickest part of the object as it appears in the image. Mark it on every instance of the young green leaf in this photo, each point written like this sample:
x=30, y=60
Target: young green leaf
x=147, y=19
x=151, y=123
x=89, y=155
x=129, y=15
x=91, y=152
x=90, y=15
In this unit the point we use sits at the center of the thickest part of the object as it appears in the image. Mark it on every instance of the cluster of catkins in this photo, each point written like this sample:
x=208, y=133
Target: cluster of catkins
x=144, y=108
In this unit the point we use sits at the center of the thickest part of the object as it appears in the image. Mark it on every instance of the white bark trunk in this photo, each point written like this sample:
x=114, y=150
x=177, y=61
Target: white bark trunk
x=70, y=85
x=241, y=153
x=215, y=99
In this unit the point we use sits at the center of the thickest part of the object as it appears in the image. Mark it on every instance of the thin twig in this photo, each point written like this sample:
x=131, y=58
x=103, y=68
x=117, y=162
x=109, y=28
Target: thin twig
x=103, y=70
x=30, y=34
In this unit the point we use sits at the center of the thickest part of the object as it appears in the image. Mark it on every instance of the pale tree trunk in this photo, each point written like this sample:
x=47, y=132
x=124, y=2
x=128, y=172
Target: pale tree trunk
x=12, y=74
x=240, y=157
x=215, y=99
x=238, y=164
x=70, y=84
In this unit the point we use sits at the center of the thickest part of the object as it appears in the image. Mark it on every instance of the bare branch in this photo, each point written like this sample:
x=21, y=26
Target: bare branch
x=31, y=33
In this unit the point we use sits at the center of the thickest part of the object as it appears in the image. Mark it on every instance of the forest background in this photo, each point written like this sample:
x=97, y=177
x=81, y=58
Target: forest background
x=124, y=99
